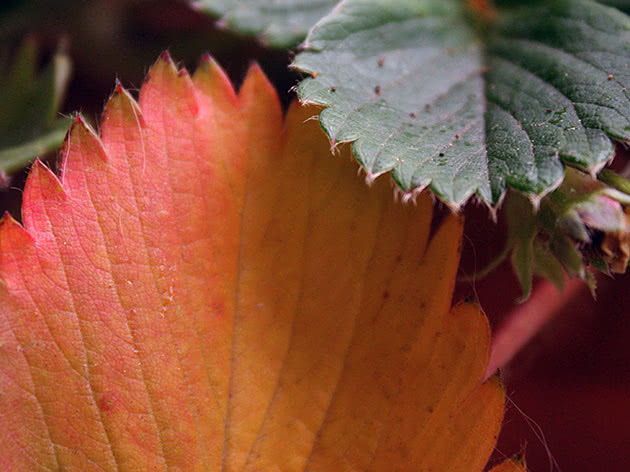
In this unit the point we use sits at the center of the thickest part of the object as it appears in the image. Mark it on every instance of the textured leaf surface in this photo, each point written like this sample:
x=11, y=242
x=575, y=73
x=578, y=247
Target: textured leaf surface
x=279, y=23
x=426, y=92
x=207, y=288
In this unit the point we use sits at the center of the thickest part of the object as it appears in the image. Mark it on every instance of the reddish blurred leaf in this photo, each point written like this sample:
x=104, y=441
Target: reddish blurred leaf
x=206, y=288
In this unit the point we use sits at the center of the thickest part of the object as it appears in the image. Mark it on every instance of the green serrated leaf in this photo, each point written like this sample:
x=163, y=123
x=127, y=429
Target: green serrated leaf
x=278, y=23
x=426, y=90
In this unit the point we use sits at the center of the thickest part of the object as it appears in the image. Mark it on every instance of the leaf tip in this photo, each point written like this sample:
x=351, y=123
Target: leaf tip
x=122, y=100
x=7, y=219
x=12, y=236
x=42, y=179
x=163, y=66
x=212, y=80
x=118, y=88
x=165, y=57
x=81, y=142
x=256, y=86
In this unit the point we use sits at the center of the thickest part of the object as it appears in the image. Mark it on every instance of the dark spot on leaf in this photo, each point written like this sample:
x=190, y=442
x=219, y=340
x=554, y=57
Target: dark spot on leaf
x=333, y=89
x=441, y=154
x=107, y=402
x=457, y=136
x=412, y=115
x=377, y=90
x=430, y=409
x=398, y=258
x=385, y=295
x=218, y=309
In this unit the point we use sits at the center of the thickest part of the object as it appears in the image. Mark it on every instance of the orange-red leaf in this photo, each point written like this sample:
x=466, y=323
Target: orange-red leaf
x=515, y=464
x=205, y=287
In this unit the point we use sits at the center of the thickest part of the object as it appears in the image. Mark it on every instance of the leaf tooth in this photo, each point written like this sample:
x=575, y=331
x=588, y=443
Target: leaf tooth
x=166, y=58
x=256, y=82
x=259, y=101
x=42, y=189
x=120, y=103
x=211, y=80
x=13, y=236
x=165, y=83
x=82, y=142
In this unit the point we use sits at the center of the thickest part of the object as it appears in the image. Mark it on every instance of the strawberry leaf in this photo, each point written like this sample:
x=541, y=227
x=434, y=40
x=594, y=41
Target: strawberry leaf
x=204, y=287
x=279, y=24
x=472, y=101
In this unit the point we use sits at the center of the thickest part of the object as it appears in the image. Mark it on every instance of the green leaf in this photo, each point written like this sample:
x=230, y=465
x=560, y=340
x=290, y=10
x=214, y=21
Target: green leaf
x=467, y=104
x=623, y=5
x=278, y=23
x=15, y=158
x=522, y=230
x=29, y=104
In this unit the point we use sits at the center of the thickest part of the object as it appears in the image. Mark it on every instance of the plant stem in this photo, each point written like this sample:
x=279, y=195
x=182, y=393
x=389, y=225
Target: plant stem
x=526, y=320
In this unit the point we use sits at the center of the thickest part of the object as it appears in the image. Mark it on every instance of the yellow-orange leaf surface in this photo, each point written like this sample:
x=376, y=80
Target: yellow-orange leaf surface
x=515, y=464
x=204, y=287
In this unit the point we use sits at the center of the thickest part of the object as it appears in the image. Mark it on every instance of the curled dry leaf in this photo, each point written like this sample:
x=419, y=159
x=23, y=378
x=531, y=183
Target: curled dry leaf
x=205, y=287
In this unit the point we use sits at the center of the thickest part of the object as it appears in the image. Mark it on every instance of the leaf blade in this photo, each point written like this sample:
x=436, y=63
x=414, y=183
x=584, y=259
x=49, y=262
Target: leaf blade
x=164, y=323
x=538, y=90
x=279, y=24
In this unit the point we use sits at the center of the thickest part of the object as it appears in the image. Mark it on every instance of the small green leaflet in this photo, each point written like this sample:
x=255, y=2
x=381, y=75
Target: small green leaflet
x=443, y=99
x=29, y=104
x=278, y=23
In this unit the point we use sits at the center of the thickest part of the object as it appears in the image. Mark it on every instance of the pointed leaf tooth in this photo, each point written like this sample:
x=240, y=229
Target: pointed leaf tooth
x=212, y=81
x=81, y=147
x=513, y=464
x=13, y=239
x=122, y=99
x=164, y=83
x=43, y=192
x=165, y=58
x=257, y=88
x=122, y=124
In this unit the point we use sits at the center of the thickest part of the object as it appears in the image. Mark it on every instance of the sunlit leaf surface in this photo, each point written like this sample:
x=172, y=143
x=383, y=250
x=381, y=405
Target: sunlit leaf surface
x=205, y=287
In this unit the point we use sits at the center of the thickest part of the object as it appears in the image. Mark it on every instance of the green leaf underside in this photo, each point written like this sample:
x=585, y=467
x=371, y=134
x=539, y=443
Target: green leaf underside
x=421, y=91
x=278, y=23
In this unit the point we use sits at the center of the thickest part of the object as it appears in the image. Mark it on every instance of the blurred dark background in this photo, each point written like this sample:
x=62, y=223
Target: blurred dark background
x=572, y=380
